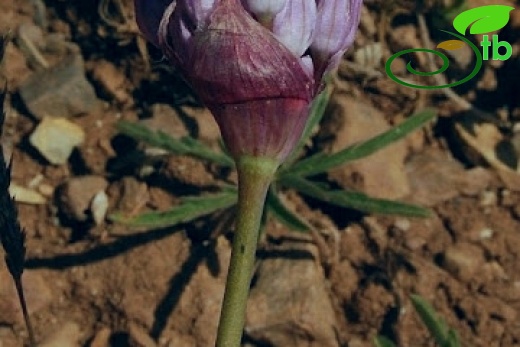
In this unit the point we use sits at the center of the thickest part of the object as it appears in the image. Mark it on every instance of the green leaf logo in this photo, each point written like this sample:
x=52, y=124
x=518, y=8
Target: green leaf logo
x=482, y=19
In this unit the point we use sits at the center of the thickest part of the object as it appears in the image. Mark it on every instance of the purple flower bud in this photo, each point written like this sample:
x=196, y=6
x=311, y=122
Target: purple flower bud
x=264, y=10
x=336, y=28
x=256, y=64
x=294, y=25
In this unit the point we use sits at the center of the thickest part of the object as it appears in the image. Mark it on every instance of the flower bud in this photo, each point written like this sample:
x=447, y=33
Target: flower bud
x=256, y=64
x=264, y=9
x=294, y=25
x=336, y=27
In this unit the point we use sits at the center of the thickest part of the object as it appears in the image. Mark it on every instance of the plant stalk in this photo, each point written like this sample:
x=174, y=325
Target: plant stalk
x=25, y=312
x=254, y=177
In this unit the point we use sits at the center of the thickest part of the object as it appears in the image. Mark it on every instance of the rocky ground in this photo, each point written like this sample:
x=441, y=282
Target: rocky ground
x=75, y=68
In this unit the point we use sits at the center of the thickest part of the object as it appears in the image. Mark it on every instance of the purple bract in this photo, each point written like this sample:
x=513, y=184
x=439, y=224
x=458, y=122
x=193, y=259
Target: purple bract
x=256, y=64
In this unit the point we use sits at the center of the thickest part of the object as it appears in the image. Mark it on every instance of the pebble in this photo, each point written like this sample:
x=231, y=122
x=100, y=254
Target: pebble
x=77, y=194
x=488, y=198
x=208, y=131
x=167, y=120
x=436, y=177
x=133, y=194
x=30, y=39
x=67, y=336
x=188, y=170
x=112, y=81
x=463, y=260
x=380, y=175
x=291, y=295
x=139, y=337
x=60, y=91
x=102, y=338
x=56, y=138
x=26, y=195
x=99, y=207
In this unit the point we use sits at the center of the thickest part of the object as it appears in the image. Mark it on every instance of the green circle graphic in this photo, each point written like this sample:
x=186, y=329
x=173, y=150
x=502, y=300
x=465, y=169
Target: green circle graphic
x=445, y=65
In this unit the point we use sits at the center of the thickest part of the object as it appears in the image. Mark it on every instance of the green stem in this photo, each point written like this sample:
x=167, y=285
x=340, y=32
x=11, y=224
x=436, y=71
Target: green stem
x=254, y=177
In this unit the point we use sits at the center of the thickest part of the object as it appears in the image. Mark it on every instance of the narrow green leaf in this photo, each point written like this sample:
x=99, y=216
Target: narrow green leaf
x=316, y=113
x=189, y=209
x=321, y=163
x=354, y=200
x=184, y=146
x=281, y=212
x=381, y=341
x=453, y=339
x=433, y=322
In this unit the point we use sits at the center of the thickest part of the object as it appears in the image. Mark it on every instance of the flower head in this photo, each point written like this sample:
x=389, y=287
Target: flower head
x=257, y=64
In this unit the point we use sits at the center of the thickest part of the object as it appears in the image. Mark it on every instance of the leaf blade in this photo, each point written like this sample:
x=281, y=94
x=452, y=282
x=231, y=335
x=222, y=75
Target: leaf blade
x=431, y=320
x=185, y=146
x=321, y=163
x=354, y=200
x=283, y=214
x=189, y=209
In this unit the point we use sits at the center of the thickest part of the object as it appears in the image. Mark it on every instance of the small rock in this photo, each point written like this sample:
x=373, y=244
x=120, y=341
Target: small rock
x=207, y=129
x=14, y=66
x=26, y=195
x=99, y=207
x=133, y=194
x=485, y=143
x=46, y=189
x=112, y=80
x=61, y=91
x=102, y=338
x=463, y=260
x=76, y=196
x=56, y=138
x=188, y=170
x=380, y=175
x=372, y=303
x=436, y=177
x=67, y=336
x=488, y=198
x=289, y=304
x=139, y=337
x=344, y=281
x=30, y=39
x=474, y=181
x=167, y=120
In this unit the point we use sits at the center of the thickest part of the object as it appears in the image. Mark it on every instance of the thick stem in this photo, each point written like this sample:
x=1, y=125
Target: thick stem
x=254, y=177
